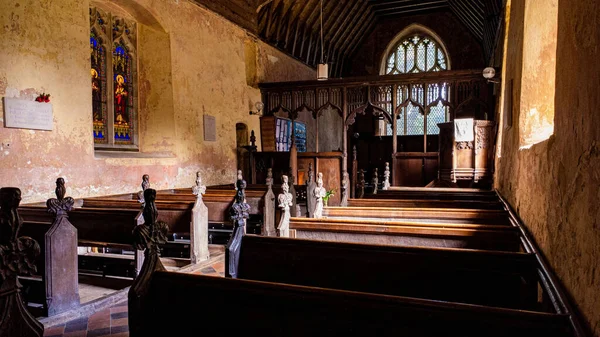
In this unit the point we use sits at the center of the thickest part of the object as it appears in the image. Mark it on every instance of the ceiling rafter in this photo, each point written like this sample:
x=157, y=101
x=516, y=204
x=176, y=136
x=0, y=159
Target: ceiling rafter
x=294, y=25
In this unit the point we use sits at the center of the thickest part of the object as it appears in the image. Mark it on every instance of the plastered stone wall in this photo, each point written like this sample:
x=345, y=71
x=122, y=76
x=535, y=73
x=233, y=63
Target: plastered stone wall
x=555, y=184
x=45, y=48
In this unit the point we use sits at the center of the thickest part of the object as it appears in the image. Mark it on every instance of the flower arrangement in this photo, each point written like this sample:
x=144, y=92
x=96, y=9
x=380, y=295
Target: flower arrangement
x=44, y=97
x=327, y=195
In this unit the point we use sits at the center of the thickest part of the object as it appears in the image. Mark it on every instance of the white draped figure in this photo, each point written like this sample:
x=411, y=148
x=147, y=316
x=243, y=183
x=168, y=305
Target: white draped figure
x=199, y=228
x=386, y=177
x=319, y=193
x=285, y=202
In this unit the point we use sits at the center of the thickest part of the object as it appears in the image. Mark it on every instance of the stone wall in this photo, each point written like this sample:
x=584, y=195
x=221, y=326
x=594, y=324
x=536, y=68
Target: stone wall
x=202, y=68
x=555, y=184
x=465, y=52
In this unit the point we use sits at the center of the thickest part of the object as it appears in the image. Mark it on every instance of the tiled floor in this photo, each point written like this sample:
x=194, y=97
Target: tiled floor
x=113, y=321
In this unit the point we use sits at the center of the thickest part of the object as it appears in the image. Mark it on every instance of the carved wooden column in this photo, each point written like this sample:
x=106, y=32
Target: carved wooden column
x=344, y=190
x=199, y=226
x=285, y=202
x=145, y=186
x=17, y=257
x=310, y=190
x=238, y=214
x=61, y=278
x=147, y=237
x=354, y=172
x=269, y=211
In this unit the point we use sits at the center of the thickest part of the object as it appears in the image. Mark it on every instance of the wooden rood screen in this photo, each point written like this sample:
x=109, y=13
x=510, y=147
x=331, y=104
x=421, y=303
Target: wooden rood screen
x=405, y=107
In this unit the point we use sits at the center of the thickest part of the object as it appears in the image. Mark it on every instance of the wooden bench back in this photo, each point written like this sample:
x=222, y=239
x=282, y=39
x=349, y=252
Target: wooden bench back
x=422, y=203
x=478, y=277
x=251, y=308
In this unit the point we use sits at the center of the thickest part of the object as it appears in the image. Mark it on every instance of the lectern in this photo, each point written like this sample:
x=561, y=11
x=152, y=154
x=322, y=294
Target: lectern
x=466, y=150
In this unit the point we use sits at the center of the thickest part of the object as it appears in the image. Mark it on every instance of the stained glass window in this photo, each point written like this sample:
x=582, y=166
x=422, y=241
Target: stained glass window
x=421, y=107
x=417, y=53
x=113, y=72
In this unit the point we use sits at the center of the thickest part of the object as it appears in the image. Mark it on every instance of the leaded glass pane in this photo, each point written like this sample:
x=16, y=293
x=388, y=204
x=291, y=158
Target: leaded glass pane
x=98, y=78
x=437, y=114
x=400, y=123
x=415, y=121
x=123, y=92
x=417, y=53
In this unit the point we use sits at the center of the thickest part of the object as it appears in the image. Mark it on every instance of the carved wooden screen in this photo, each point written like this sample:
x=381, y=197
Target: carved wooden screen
x=114, y=77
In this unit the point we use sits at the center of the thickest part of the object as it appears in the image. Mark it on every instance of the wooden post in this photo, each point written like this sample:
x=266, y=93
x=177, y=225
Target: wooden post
x=147, y=237
x=310, y=190
x=344, y=189
x=238, y=214
x=269, y=210
x=16, y=320
x=61, y=276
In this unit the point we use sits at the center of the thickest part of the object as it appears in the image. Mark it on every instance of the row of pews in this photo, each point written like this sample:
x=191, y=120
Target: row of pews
x=410, y=262
x=461, y=265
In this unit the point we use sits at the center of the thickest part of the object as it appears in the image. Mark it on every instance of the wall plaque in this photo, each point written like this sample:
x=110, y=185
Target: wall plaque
x=23, y=114
x=210, y=128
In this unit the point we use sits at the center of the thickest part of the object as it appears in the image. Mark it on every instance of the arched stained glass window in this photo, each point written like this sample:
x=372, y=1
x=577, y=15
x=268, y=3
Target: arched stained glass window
x=420, y=107
x=417, y=53
x=112, y=46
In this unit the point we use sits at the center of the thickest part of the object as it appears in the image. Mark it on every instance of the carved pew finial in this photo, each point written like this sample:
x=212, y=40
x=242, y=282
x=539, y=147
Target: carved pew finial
x=345, y=185
x=386, y=177
x=361, y=184
x=310, y=192
x=238, y=213
x=60, y=251
x=318, y=194
x=285, y=203
x=375, y=180
x=199, y=226
x=147, y=236
x=145, y=186
x=17, y=257
x=269, y=210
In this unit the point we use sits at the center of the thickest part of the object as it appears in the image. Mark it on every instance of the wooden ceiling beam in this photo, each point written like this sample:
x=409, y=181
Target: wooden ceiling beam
x=409, y=5
x=346, y=38
x=285, y=14
x=345, y=29
x=348, y=11
x=358, y=37
x=295, y=12
x=309, y=8
x=414, y=11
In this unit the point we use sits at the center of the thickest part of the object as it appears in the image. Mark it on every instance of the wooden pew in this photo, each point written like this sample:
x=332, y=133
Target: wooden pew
x=98, y=227
x=409, y=233
x=442, y=215
x=272, y=309
x=502, y=279
x=423, y=203
x=433, y=195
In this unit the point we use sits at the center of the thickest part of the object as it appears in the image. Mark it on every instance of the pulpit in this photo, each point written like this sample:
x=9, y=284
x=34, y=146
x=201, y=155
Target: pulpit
x=466, y=150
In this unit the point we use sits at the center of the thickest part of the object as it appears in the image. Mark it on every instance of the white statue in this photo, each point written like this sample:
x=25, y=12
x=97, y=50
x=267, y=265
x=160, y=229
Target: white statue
x=199, y=227
x=285, y=202
x=319, y=193
x=386, y=177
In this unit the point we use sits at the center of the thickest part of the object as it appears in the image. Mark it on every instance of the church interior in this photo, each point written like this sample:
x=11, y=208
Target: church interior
x=299, y=167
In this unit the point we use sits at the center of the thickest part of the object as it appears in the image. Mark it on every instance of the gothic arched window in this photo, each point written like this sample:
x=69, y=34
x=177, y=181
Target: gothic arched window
x=416, y=53
x=113, y=76
x=421, y=107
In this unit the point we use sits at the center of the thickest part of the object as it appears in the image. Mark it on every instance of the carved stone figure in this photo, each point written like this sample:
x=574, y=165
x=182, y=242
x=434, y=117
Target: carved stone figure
x=386, y=177
x=318, y=195
x=147, y=237
x=145, y=186
x=60, y=242
x=285, y=202
x=345, y=184
x=361, y=184
x=269, y=213
x=294, y=210
x=375, y=180
x=199, y=226
x=238, y=214
x=17, y=257
x=310, y=191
